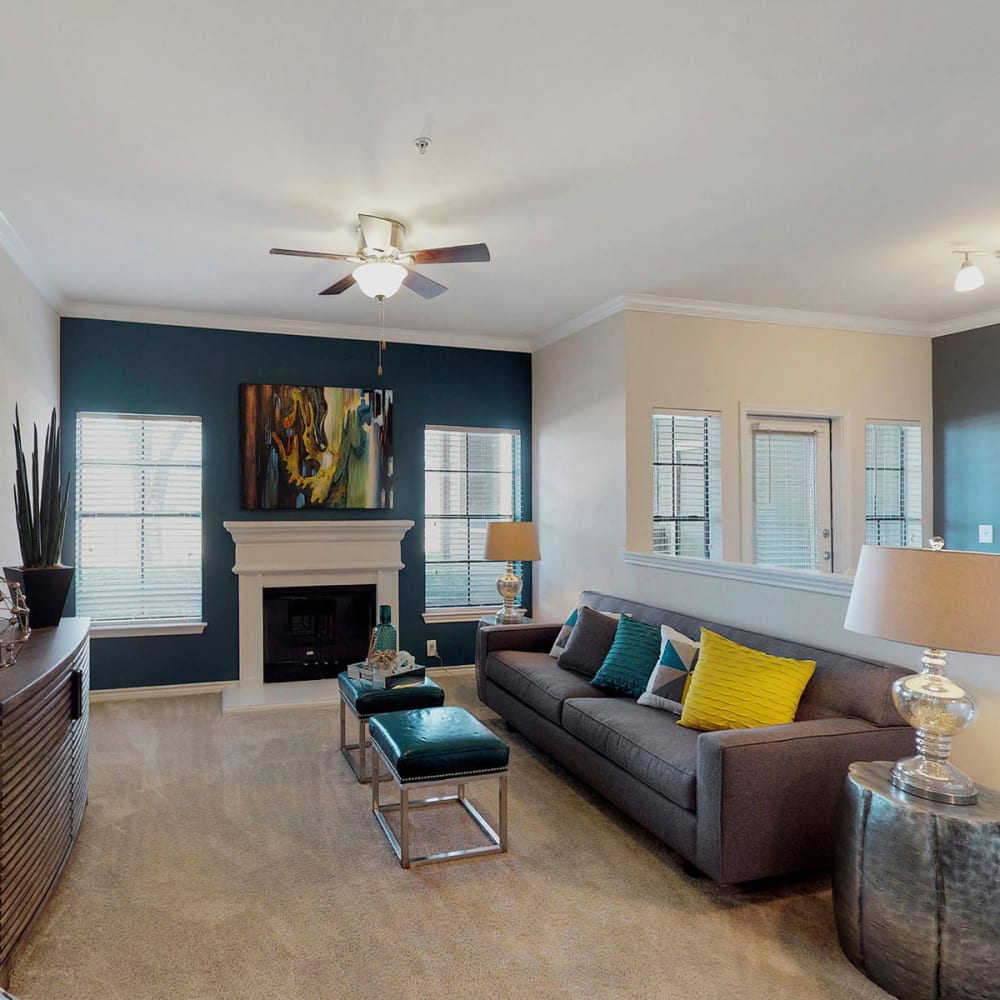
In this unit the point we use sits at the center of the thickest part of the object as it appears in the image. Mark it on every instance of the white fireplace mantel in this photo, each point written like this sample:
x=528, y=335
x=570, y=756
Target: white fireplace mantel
x=304, y=554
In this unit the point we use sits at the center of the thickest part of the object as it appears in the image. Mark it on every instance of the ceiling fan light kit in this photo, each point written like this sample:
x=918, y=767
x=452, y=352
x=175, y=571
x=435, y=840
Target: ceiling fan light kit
x=379, y=279
x=969, y=276
x=382, y=264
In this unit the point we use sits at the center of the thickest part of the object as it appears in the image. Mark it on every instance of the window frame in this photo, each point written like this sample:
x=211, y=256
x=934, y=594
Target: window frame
x=712, y=496
x=471, y=612
x=134, y=627
x=899, y=425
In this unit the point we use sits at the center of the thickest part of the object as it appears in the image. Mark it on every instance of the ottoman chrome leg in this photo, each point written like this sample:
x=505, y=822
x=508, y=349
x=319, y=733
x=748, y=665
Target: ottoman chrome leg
x=401, y=846
x=360, y=768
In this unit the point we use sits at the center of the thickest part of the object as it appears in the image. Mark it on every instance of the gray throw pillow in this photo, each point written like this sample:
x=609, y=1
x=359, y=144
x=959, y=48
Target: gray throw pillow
x=589, y=642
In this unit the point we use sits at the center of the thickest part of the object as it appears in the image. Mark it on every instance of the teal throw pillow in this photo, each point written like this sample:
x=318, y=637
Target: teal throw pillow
x=631, y=658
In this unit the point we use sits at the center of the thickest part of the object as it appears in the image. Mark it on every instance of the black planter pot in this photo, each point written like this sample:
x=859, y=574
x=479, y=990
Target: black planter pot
x=45, y=591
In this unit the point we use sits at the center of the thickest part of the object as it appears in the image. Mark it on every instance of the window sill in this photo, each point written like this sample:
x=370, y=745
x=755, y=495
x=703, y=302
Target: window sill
x=437, y=616
x=123, y=630
x=834, y=584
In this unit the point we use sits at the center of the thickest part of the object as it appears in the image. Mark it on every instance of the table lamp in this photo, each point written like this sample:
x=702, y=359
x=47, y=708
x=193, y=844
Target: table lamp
x=510, y=542
x=939, y=600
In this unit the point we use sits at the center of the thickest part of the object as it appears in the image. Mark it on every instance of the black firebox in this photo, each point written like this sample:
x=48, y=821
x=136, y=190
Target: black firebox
x=314, y=632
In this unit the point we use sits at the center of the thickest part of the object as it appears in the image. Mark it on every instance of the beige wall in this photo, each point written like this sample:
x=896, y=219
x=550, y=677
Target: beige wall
x=29, y=377
x=709, y=364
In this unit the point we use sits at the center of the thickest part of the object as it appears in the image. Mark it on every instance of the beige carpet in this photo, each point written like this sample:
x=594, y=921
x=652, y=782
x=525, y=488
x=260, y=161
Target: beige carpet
x=237, y=858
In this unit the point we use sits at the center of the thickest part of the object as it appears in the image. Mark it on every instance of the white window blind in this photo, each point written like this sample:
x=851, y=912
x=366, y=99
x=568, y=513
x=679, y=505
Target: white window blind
x=791, y=496
x=471, y=476
x=138, y=517
x=893, y=493
x=687, y=508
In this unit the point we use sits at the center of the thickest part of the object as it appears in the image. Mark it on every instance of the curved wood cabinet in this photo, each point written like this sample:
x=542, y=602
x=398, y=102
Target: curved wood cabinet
x=44, y=699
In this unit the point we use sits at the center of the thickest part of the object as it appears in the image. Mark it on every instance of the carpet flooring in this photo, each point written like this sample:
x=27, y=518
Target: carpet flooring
x=236, y=859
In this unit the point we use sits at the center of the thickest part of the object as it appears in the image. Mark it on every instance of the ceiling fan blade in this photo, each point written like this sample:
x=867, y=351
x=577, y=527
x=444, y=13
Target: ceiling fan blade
x=339, y=286
x=471, y=252
x=312, y=253
x=422, y=285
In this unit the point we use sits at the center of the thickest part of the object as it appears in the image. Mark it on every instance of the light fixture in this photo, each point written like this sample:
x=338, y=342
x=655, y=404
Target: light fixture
x=510, y=542
x=938, y=600
x=969, y=276
x=379, y=279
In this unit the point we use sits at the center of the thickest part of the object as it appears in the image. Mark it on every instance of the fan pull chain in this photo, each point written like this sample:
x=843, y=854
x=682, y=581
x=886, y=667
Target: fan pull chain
x=381, y=342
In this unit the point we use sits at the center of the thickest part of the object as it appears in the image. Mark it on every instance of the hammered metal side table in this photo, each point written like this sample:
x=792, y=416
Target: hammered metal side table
x=916, y=889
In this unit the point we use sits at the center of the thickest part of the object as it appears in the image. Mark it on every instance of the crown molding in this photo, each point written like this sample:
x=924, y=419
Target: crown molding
x=291, y=327
x=972, y=322
x=635, y=302
x=776, y=315
x=610, y=308
x=21, y=256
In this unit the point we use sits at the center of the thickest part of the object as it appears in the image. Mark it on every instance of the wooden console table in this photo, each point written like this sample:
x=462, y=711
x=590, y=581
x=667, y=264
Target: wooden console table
x=44, y=701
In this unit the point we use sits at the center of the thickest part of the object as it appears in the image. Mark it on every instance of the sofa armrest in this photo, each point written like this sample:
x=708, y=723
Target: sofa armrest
x=766, y=797
x=535, y=638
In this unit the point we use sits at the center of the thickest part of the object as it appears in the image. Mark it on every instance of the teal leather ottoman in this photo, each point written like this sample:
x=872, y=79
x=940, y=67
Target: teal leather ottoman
x=434, y=746
x=365, y=700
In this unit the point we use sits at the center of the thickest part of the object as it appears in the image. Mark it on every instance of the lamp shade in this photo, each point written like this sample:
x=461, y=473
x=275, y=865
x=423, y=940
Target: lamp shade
x=379, y=277
x=511, y=541
x=939, y=600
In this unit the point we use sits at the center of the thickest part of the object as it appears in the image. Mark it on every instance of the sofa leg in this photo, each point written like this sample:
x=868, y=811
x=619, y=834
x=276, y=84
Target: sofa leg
x=509, y=726
x=691, y=870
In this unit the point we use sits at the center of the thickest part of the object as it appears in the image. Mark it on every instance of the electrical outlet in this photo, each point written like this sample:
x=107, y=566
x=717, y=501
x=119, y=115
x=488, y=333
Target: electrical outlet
x=432, y=647
x=986, y=534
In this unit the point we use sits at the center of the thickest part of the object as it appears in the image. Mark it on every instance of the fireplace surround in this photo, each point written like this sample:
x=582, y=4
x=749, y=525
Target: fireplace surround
x=280, y=554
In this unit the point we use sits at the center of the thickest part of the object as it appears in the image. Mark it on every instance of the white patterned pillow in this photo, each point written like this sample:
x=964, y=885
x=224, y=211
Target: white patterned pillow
x=665, y=688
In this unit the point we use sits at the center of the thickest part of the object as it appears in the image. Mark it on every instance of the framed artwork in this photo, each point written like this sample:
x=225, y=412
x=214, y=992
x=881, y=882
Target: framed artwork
x=310, y=447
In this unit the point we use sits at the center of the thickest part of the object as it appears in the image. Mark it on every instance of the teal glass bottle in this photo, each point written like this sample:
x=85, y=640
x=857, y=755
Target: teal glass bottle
x=385, y=637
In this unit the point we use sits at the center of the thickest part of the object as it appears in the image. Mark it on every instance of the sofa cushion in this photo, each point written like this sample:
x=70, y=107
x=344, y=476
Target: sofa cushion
x=669, y=679
x=630, y=659
x=645, y=742
x=536, y=680
x=735, y=687
x=589, y=642
x=843, y=685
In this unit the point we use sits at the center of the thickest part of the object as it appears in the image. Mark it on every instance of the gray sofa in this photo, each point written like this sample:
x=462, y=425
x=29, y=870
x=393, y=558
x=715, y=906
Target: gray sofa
x=737, y=805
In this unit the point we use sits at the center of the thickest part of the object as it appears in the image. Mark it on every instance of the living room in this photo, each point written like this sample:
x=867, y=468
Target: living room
x=747, y=216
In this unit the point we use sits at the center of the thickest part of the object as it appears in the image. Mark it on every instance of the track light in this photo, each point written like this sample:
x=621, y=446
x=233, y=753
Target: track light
x=969, y=276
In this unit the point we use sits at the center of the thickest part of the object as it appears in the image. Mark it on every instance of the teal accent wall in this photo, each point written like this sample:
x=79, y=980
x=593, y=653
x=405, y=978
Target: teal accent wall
x=124, y=367
x=966, y=378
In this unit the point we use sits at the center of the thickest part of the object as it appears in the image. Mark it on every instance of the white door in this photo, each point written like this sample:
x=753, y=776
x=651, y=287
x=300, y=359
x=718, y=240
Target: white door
x=791, y=517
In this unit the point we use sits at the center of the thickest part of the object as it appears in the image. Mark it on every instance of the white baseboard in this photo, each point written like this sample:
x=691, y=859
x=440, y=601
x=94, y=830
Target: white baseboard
x=160, y=691
x=213, y=687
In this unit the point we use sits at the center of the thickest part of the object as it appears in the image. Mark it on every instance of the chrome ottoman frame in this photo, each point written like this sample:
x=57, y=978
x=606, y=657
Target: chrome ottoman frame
x=401, y=845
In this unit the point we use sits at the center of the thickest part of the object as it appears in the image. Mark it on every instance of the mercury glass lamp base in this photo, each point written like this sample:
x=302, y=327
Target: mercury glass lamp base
x=936, y=780
x=513, y=618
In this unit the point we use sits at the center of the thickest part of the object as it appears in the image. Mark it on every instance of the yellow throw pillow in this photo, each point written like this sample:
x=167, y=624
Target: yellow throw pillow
x=735, y=687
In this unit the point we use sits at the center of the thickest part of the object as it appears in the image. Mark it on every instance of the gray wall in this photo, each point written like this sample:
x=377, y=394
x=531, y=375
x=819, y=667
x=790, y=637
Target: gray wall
x=966, y=378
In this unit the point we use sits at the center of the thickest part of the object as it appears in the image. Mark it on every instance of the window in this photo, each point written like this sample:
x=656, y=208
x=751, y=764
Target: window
x=138, y=518
x=471, y=476
x=687, y=514
x=792, y=509
x=893, y=495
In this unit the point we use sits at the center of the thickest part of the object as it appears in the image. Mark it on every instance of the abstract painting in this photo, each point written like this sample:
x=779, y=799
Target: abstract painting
x=313, y=447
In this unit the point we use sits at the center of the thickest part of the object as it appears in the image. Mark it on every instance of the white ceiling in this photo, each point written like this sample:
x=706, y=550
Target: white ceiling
x=795, y=153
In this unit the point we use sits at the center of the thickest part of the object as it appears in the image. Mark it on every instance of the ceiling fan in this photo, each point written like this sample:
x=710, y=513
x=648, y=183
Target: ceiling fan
x=382, y=264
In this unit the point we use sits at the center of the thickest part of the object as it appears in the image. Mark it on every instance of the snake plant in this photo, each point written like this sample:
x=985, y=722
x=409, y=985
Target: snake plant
x=40, y=509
